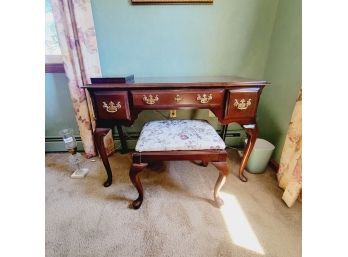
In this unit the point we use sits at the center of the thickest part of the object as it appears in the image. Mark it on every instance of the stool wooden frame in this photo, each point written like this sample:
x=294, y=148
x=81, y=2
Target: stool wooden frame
x=215, y=157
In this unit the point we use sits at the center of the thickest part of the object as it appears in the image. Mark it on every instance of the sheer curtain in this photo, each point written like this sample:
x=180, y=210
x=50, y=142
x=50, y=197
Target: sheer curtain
x=78, y=44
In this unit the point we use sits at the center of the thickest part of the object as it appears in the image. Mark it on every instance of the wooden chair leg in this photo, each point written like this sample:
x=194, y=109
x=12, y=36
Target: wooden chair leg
x=223, y=172
x=134, y=171
x=252, y=135
x=205, y=163
x=99, y=135
x=123, y=139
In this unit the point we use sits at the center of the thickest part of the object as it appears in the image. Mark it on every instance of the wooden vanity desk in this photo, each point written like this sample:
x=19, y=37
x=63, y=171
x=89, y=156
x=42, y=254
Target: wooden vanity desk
x=231, y=99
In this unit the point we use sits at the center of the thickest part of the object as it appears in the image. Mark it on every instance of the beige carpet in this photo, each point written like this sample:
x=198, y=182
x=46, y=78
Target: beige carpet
x=176, y=219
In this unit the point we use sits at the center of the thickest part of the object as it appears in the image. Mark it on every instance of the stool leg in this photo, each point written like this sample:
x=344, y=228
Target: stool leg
x=205, y=163
x=134, y=171
x=223, y=172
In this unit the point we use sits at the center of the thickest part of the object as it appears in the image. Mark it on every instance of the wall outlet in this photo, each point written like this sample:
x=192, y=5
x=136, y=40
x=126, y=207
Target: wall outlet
x=172, y=113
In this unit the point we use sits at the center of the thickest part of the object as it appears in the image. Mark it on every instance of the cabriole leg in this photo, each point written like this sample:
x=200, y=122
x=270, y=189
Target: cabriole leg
x=122, y=139
x=99, y=135
x=134, y=171
x=223, y=172
x=252, y=135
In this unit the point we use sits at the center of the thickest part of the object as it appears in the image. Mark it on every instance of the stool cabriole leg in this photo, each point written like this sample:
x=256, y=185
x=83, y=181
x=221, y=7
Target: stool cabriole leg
x=134, y=171
x=223, y=172
x=205, y=163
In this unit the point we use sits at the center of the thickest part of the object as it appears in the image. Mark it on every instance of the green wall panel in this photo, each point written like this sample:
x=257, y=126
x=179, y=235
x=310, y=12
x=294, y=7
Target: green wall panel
x=283, y=70
x=59, y=113
x=230, y=37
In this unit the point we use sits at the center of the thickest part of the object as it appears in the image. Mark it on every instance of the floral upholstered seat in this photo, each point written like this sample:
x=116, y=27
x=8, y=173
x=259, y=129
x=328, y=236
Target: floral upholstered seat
x=171, y=135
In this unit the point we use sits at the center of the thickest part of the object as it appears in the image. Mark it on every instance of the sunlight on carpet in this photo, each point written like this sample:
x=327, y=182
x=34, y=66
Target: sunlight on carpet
x=238, y=226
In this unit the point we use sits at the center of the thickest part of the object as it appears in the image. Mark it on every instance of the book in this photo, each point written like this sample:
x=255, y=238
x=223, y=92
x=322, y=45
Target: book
x=120, y=79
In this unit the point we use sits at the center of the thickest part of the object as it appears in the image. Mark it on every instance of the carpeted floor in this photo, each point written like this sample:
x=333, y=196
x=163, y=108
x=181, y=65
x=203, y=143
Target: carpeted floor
x=176, y=219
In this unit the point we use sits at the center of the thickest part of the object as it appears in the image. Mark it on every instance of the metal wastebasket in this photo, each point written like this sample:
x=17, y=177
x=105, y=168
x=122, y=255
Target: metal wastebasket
x=260, y=156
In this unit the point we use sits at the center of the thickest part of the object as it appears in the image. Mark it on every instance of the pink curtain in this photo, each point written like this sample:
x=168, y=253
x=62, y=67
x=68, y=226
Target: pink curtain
x=290, y=168
x=78, y=44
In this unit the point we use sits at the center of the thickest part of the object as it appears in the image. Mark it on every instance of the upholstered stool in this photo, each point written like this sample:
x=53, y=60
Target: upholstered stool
x=168, y=140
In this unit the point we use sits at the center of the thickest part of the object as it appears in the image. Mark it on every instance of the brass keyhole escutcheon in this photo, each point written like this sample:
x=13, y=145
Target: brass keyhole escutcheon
x=178, y=98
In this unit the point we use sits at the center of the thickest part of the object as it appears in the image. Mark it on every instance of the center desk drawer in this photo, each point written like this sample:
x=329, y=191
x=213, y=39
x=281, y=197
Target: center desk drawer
x=148, y=99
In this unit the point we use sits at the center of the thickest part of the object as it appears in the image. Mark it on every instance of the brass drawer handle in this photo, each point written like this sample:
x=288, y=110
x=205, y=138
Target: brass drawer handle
x=150, y=99
x=205, y=98
x=242, y=104
x=178, y=98
x=112, y=107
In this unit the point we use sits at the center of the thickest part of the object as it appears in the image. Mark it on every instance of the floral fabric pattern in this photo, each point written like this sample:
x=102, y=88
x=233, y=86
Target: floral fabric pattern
x=171, y=135
x=290, y=167
x=78, y=44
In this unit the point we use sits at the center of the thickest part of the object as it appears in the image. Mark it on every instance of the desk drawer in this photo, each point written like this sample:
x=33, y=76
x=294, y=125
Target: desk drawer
x=242, y=103
x=149, y=99
x=112, y=105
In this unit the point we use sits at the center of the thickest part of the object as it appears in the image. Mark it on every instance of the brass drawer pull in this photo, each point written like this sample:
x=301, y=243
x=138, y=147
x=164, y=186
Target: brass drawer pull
x=204, y=99
x=112, y=107
x=178, y=98
x=150, y=99
x=242, y=104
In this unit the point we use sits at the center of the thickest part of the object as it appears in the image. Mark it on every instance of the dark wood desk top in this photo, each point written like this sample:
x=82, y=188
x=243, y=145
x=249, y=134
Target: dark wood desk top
x=183, y=82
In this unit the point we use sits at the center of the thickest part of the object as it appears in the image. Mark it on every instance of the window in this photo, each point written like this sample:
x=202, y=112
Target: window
x=54, y=60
